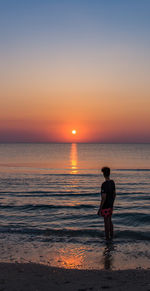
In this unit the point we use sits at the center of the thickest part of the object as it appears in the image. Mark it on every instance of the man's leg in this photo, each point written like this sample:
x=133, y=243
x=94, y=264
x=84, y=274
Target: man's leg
x=111, y=227
x=107, y=226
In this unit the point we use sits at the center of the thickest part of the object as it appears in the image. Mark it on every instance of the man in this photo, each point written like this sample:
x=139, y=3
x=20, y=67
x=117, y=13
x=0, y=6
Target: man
x=108, y=194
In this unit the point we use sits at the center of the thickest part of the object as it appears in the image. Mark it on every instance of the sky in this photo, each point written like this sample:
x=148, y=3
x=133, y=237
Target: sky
x=75, y=64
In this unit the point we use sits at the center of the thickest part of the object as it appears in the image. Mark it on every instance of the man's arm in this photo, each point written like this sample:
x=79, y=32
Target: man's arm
x=114, y=194
x=103, y=200
x=102, y=203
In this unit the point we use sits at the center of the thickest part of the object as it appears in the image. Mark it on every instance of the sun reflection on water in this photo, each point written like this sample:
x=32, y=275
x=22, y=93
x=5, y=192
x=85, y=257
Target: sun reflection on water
x=73, y=158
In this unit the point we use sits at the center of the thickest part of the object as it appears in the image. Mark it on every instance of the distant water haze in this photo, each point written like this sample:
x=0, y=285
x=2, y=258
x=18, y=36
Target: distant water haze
x=66, y=157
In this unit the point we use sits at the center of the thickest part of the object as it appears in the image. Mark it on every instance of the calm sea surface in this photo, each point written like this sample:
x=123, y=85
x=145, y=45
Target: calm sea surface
x=49, y=197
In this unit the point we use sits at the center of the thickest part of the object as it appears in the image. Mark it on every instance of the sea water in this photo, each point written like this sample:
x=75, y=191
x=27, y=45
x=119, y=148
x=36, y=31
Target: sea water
x=49, y=197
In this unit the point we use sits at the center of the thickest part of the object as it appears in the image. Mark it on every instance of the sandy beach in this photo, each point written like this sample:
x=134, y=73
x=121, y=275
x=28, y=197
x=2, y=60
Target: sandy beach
x=20, y=277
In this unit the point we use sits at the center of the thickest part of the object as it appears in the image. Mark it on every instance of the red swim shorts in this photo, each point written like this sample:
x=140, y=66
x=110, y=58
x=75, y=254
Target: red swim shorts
x=106, y=212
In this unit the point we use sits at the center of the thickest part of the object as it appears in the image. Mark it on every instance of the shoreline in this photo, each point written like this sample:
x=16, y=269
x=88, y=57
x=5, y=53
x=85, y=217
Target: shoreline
x=36, y=277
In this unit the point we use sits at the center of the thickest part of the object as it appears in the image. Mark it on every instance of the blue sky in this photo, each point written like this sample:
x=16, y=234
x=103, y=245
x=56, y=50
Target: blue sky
x=122, y=19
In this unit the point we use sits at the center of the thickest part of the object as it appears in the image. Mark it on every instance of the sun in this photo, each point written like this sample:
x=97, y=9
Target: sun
x=74, y=131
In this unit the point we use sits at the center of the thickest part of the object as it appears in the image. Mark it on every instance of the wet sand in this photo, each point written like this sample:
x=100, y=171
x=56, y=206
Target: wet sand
x=20, y=277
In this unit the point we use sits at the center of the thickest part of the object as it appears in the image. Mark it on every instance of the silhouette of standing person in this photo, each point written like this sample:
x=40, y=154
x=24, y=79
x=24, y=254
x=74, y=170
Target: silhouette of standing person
x=108, y=194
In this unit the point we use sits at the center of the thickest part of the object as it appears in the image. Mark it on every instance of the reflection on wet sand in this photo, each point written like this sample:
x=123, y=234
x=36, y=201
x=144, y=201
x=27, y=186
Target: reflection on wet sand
x=73, y=158
x=108, y=256
x=69, y=258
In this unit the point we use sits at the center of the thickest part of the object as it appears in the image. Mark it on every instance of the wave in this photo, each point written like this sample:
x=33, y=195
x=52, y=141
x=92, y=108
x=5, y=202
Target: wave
x=132, y=170
x=134, y=218
x=45, y=206
x=71, y=174
x=134, y=235
x=48, y=194
x=78, y=233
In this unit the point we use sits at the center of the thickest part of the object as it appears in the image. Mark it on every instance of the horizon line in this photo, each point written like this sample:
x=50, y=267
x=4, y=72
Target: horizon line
x=35, y=142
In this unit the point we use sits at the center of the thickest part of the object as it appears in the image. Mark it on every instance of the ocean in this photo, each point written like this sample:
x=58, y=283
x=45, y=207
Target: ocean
x=49, y=197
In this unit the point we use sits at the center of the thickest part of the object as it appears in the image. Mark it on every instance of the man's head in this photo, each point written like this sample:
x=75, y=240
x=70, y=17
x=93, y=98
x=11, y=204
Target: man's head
x=106, y=172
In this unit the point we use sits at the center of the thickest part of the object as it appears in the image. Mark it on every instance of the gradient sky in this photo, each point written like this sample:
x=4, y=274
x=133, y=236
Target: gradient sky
x=74, y=64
